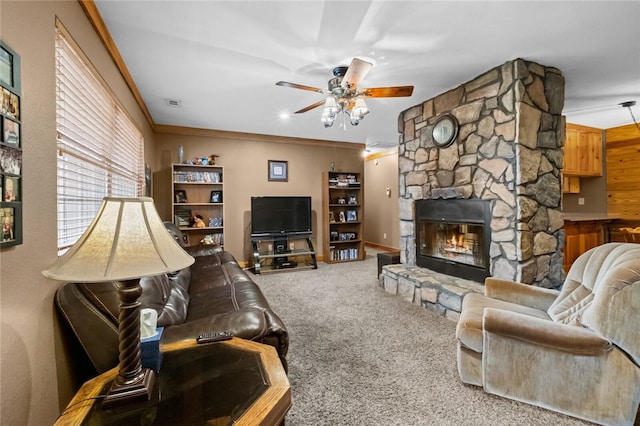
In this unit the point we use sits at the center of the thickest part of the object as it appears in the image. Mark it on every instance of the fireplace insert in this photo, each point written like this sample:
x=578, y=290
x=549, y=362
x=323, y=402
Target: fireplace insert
x=453, y=237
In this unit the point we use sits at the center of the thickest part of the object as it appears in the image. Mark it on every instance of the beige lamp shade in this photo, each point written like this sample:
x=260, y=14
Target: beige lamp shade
x=126, y=240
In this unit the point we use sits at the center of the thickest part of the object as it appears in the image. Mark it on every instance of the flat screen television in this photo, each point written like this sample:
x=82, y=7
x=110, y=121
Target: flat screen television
x=280, y=216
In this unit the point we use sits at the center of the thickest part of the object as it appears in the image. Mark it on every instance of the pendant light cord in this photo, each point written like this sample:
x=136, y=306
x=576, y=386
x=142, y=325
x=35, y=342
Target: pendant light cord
x=634, y=118
x=628, y=105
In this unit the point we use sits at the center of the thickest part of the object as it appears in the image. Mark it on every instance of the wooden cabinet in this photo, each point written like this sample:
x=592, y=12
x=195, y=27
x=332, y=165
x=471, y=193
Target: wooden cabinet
x=198, y=191
x=581, y=236
x=570, y=185
x=623, y=164
x=582, y=151
x=343, y=216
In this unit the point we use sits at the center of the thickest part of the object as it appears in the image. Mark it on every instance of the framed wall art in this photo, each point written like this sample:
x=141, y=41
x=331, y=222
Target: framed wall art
x=278, y=171
x=10, y=148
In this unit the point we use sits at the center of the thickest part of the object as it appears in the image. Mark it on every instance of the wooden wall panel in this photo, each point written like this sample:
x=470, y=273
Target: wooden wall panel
x=623, y=172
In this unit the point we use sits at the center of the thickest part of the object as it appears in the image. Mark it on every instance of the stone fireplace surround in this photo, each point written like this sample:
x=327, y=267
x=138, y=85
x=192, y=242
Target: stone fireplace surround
x=508, y=151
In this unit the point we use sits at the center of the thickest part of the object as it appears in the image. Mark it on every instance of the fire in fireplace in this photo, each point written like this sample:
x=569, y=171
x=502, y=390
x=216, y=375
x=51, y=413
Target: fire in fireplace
x=453, y=237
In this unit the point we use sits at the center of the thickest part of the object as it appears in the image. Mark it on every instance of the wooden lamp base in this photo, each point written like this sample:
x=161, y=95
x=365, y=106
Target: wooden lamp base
x=133, y=383
x=126, y=393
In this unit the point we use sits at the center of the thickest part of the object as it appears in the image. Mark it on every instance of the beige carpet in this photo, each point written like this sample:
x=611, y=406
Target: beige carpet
x=359, y=356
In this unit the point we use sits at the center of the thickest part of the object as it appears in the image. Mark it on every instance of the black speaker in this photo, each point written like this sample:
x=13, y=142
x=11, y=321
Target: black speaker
x=281, y=247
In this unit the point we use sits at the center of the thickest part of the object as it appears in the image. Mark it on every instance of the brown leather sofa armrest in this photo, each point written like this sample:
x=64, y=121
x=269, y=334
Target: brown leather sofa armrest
x=94, y=328
x=247, y=324
x=567, y=338
x=521, y=294
x=203, y=250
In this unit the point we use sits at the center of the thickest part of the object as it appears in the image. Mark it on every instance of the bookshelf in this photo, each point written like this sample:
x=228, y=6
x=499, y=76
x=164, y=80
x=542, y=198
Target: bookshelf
x=343, y=217
x=198, y=191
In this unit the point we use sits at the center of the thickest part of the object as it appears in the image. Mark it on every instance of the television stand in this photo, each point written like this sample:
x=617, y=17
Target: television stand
x=281, y=253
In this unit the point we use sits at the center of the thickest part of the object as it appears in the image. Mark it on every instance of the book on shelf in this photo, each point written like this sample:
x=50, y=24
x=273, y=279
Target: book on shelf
x=343, y=254
x=197, y=177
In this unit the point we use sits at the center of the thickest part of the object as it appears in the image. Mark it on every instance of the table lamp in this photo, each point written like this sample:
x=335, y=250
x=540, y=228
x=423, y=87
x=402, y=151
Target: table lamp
x=125, y=241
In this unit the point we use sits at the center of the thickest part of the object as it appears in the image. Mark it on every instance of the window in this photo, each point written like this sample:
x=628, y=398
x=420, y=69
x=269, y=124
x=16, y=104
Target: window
x=100, y=150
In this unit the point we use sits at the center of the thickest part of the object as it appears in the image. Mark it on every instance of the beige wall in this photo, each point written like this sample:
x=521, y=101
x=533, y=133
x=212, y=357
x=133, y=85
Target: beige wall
x=382, y=218
x=244, y=157
x=34, y=371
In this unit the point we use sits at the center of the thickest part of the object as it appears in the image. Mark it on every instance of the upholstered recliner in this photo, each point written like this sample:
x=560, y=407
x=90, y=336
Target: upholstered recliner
x=575, y=351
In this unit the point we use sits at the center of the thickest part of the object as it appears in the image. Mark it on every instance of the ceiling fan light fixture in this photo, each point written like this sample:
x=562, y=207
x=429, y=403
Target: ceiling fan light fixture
x=344, y=96
x=330, y=106
x=327, y=117
x=360, y=108
x=327, y=123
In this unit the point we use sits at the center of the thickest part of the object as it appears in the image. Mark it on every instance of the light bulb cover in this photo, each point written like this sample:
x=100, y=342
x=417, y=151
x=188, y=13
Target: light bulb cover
x=330, y=105
x=360, y=108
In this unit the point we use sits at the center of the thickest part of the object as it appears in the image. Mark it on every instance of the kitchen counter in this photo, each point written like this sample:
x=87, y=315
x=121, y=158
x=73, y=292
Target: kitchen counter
x=586, y=217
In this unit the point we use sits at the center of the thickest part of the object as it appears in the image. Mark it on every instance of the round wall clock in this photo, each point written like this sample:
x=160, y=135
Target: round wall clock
x=445, y=131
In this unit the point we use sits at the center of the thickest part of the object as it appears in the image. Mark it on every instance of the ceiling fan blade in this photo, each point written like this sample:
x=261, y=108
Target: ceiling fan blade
x=355, y=73
x=310, y=107
x=387, y=92
x=299, y=86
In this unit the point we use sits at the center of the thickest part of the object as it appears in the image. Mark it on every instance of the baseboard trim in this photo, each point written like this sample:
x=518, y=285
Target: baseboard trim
x=380, y=246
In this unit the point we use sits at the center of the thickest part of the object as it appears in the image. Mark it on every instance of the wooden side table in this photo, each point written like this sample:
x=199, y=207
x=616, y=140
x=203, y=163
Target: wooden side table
x=234, y=382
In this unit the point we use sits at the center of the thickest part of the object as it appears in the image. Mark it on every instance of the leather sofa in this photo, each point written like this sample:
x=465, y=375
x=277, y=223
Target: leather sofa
x=212, y=295
x=575, y=351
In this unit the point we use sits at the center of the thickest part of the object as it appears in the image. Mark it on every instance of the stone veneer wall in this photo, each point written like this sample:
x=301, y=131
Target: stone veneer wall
x=509, y=151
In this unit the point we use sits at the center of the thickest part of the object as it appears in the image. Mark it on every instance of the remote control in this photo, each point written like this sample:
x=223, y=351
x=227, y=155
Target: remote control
x=214, y=337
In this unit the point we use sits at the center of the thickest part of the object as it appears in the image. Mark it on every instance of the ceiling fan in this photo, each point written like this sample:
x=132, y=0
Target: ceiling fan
x=343, y=93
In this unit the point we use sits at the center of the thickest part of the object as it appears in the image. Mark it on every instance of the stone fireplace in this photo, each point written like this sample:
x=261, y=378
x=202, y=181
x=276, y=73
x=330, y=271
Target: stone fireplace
x=508, y=154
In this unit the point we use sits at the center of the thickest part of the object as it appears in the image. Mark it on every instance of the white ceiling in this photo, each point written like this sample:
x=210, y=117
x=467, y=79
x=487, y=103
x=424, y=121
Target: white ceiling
x=221, y=59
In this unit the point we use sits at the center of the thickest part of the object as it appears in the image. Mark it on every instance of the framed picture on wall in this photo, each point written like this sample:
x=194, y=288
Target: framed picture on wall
x=6, y=66
x=10, y=160
x=11, y=189
x=8, y=221
x=278, y=171
x=10, y=148
x=10, y=132
x=11, y=225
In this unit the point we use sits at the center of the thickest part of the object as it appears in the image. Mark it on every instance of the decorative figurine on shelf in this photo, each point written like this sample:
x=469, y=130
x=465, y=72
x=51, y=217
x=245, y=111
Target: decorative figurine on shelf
x=196, y=221
x=212, y=159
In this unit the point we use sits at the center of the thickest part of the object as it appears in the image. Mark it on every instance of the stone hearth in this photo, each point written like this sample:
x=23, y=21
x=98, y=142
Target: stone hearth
x=508, y=151
x=434, y=291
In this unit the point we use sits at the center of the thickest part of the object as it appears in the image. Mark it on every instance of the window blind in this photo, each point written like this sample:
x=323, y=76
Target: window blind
x=100, y=150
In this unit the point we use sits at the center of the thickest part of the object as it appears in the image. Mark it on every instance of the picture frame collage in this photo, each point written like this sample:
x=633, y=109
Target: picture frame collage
x=10, y=148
